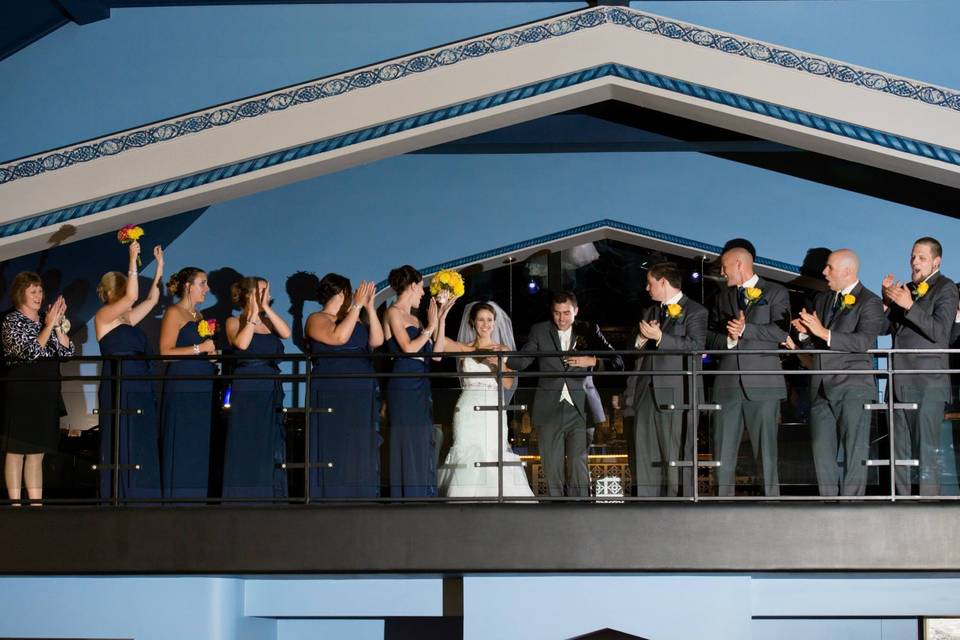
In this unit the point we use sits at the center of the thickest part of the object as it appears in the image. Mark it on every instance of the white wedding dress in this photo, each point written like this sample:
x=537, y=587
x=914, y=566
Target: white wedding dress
x=475, y=439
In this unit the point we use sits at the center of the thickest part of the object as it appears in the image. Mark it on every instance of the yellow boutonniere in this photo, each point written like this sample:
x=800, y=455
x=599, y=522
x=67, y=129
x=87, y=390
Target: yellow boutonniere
x=753, y=294
x=921, y=289
x=847, y=301
x=674, y=311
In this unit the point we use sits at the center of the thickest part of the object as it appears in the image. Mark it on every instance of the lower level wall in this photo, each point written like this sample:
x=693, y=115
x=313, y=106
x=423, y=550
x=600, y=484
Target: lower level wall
x=651, y=606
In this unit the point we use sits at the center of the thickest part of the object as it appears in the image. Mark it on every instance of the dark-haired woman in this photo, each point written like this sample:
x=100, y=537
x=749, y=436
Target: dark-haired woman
x=413, y=456
x=256, y=443
x=187, y=404
x=347, y=441
x=117, y=332
x=32, y=343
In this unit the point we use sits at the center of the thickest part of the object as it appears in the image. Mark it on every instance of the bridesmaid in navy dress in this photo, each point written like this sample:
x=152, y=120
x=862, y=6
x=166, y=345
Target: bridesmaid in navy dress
x=117, y=332
x=349, y=438
x=187, y=404
x=256, y=443
x=413, y=456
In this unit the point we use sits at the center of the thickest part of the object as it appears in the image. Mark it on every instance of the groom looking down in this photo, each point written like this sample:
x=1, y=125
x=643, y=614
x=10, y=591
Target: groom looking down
x=559, y=406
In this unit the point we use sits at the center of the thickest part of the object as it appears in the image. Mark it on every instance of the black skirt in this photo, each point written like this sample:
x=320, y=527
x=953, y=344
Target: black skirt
x=33, y=406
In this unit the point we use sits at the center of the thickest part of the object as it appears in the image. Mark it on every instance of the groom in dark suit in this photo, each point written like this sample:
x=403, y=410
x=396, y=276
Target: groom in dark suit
x=673, y=323
x=921, y=315
x=848, y=317
x=751, y=313
x=559, y=406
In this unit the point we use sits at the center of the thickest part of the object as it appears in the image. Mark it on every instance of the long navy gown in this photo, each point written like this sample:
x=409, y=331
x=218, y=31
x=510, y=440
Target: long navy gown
x=185, y=423
x=139, y=438
x=413, y=455
x=350, y=436
x=256, y=442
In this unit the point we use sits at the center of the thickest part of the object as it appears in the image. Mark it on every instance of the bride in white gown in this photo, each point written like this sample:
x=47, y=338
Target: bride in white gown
x=477, y=434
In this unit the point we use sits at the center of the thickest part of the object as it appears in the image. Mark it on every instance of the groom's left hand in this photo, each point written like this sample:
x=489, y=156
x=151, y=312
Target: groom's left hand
x=582, y=361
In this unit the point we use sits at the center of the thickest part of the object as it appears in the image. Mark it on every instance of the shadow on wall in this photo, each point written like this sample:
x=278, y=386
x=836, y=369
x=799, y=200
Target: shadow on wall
x=301, y=288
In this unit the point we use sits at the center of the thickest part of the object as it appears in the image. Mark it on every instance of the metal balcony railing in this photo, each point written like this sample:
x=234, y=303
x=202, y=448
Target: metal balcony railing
x=297, y=371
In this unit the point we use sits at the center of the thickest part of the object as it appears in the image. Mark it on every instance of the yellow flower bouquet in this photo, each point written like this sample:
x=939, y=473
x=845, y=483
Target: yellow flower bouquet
x=446, y=283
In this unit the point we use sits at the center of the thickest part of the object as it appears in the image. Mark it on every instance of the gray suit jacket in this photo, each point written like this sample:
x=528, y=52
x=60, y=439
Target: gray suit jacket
x=927, y=325
x=854, y=329
x=768, y=322
x=544, y=337
x=686, y=333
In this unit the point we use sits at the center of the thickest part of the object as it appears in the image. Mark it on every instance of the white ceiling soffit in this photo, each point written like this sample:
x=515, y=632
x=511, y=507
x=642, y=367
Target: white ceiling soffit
x=473, y=86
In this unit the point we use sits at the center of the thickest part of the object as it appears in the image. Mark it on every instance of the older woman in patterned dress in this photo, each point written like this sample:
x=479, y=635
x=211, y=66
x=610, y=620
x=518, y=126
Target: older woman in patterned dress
x=33, y=342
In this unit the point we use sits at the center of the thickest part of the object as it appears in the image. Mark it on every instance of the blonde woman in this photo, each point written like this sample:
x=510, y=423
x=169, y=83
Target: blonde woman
x=120, y=338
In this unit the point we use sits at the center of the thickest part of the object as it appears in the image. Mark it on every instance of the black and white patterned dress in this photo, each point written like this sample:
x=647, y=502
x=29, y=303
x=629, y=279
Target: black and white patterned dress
x=33, y=404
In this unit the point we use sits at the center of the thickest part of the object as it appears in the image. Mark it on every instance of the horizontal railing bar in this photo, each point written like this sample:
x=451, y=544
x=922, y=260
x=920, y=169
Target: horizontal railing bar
x=602, y=353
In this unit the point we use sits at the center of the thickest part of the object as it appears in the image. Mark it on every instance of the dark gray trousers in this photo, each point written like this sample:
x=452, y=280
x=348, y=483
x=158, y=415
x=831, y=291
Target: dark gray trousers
x=917, y=436
x=760, y=418
x=565, y=440
x=841, y=421
x=658, y=436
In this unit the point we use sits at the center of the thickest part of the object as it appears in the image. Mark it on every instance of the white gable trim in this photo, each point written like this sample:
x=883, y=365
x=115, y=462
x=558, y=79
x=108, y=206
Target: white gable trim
x=504, y=78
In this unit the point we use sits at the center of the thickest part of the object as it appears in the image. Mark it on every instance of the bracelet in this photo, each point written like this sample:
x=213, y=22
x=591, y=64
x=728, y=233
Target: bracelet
x=356, y=306
x=131, y=273
x=196, y=349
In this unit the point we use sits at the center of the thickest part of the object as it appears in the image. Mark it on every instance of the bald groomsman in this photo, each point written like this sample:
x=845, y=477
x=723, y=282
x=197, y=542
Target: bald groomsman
x=673, y=323
x=848, y=318
x=751, y=313
x=921, y=315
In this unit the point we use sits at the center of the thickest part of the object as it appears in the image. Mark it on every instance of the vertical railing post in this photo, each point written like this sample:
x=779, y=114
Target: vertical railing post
x=117, y=404
x=500, y=430
x=693, y=421
x=891, y=428
x=307, y=415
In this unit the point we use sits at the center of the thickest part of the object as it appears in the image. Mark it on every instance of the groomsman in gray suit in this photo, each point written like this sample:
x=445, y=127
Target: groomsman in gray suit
x=848, y=318
x=673, y=323
x=559, y=406
x=921, y=314
x=751, y=313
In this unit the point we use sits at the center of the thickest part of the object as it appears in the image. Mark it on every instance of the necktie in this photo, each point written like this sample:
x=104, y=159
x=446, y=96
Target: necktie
x=741, y=299
x=663, y=313
x=837, y=301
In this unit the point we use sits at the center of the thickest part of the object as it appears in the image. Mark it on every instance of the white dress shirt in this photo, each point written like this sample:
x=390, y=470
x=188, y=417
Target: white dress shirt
x=752, y=282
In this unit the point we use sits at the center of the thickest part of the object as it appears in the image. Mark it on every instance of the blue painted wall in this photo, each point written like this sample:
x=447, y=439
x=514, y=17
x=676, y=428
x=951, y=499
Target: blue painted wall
x=657, y=607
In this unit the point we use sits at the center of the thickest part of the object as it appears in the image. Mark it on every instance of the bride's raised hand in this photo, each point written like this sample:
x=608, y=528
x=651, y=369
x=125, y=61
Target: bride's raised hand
x=445, y=309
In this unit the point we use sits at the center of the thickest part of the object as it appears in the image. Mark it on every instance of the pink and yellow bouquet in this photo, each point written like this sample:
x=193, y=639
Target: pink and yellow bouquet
x=130, y=233
x=206, y=328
